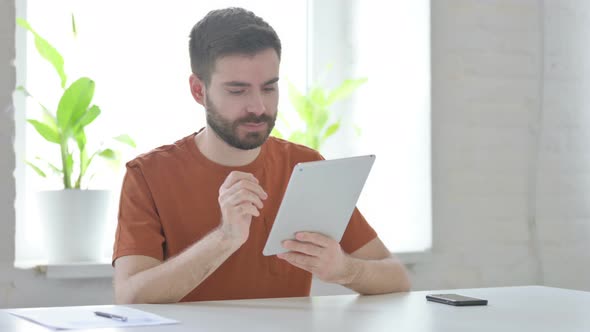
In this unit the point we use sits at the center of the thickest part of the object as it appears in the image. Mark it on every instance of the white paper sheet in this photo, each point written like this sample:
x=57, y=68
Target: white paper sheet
x=83, y=317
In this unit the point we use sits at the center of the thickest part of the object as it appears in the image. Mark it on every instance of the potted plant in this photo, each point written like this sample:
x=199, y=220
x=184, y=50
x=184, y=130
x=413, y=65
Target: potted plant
x=314, y=110
x=74, y=217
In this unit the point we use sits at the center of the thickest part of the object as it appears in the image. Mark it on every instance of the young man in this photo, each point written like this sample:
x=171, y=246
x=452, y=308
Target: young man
x=194, y=216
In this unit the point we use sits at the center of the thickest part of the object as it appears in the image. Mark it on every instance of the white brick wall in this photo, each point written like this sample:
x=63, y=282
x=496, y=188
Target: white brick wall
x=511, y=159
x=563, y=205
x=511, y=162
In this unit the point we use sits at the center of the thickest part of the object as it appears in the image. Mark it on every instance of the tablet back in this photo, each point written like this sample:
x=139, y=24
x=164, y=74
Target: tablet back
x=320, y=197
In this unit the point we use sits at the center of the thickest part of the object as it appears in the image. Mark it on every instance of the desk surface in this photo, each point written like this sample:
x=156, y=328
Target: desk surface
x=529, y=308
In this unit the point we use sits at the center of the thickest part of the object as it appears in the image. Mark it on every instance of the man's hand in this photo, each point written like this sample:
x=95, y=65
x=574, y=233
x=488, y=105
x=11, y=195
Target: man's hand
x=320, y=255
x=240, y=199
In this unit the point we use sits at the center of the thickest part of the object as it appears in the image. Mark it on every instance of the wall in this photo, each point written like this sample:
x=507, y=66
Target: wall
x=563, y=174
x=511, y=167
x=510, y=158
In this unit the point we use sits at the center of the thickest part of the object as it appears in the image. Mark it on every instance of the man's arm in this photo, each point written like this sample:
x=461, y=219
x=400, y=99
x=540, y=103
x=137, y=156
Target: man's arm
x=377, y=271
x=369, y=270
x=143, y=279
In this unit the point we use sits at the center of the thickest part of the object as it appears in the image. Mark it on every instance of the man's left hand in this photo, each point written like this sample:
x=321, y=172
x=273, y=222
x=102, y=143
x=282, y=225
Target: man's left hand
x=320, y=255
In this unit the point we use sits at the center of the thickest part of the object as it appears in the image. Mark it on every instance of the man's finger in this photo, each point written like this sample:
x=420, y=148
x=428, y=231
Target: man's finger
x=306, y=248
x=247, y=209
x=244, y=184
x=245, y=196
x=236, y=176
x=315, y=238
x=301, y=260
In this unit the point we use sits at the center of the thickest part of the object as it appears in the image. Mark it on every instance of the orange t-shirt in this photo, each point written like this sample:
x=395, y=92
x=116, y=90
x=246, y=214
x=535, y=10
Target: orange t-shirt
x=169, y=202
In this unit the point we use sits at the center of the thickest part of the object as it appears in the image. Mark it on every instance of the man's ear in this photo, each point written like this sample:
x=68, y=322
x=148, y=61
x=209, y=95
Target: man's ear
x=197, y=89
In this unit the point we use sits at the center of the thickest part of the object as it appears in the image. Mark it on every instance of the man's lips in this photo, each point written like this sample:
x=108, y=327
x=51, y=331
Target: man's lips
x=254, y=124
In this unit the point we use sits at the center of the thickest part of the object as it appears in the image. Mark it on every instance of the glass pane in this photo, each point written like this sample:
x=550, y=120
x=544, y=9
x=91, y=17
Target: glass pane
x=137, y=53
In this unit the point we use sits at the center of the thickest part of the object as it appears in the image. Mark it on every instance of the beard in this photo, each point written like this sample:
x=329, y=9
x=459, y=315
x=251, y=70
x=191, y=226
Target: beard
x=227, y=130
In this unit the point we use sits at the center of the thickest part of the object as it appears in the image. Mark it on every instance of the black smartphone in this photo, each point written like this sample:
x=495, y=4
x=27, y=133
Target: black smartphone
x=456, y=299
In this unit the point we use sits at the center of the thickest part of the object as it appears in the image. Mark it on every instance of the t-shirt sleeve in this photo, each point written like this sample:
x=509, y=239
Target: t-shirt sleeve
x=139, y=231
x=357, y=233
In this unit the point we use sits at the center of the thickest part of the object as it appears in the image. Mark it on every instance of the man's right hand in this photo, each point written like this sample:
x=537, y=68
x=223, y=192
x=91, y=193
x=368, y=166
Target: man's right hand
x=240, y=199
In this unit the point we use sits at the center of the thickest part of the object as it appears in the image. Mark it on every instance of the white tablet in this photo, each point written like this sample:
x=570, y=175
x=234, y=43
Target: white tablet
x=320, y=197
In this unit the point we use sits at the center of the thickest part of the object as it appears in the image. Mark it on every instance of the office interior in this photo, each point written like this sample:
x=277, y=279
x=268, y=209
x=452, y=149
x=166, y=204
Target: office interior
x=510, y=163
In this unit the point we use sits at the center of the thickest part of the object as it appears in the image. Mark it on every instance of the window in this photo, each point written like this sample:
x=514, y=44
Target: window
x=392, y=44
x=389, y=43
x=136, y=51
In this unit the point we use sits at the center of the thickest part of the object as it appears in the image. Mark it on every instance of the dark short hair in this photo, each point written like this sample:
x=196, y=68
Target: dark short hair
x=225, y=32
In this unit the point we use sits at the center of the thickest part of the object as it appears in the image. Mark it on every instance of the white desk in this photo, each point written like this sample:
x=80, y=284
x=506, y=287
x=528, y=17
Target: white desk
x=530, y=308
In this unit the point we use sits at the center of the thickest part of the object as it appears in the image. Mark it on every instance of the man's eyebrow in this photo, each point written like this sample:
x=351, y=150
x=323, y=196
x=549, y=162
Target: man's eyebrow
x=236, y=83
x=244, y=84
x=271, y=81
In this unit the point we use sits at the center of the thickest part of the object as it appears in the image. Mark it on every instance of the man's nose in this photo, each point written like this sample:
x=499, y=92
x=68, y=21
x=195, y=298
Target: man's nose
x=256, y=104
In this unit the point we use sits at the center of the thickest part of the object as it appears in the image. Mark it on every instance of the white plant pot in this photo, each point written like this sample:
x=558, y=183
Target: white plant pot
x=75, y=224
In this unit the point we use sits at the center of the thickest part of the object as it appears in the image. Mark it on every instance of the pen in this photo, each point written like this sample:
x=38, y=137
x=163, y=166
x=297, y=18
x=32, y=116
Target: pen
x=110, y=316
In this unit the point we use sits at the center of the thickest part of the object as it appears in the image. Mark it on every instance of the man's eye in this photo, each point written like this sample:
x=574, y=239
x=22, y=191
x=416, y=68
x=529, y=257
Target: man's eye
x=269, y=89
x=236, y=92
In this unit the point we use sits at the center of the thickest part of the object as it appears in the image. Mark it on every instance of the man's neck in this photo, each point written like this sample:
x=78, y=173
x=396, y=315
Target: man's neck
x=218, y=151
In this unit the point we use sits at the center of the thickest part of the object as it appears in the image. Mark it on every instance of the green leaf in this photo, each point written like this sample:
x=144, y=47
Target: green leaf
x=80, y=137
x=37, y=169
x=54, y=168
x=89, y=116
x=108, y=154
x=126, y=139
x=73, y=104
x=48, y=117
x=314, y=142
x=46, y=50
x=46, y=131
x=74, y=30
x=333, y=128
x=321, y=119
x=298, y=137
x=318, y=97
x=302, y=105
x=345, y=89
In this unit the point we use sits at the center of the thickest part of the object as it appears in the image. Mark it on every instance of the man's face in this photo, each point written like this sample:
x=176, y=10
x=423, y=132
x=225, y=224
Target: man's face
x=242, y=97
